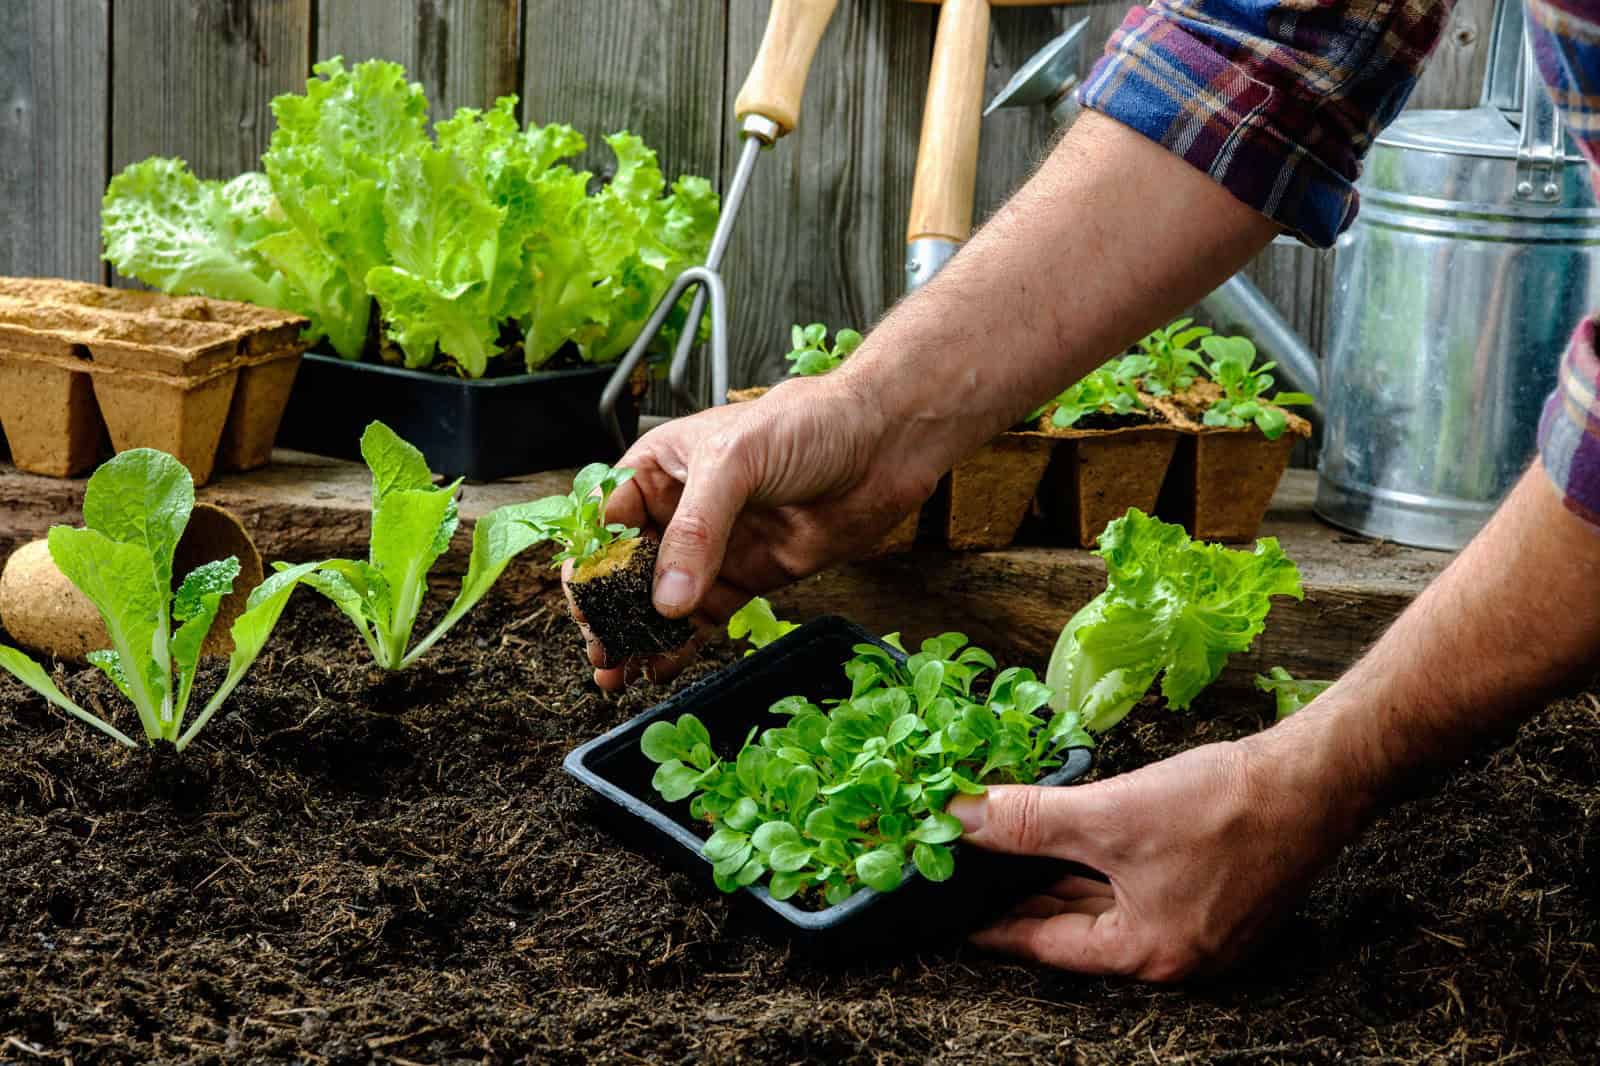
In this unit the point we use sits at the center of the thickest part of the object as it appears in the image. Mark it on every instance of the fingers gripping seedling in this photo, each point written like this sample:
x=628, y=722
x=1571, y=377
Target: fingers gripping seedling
x=135, y=509
x=613, y=571
x=851, y=794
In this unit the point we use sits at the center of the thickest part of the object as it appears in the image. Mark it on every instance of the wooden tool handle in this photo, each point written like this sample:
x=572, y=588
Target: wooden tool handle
x=777, y=80
x=947, y=161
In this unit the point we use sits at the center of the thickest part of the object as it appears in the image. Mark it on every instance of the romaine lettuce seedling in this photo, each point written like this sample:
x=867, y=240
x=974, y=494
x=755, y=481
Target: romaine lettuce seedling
x=756, y=623
x=1110, y=389
x=412, y=524
x=1172, y=357
x=613, y=571
x=135, y=509
x=812, y=356
x=849, y=794
x=1244, y=387
x=1291, y=694
x=1171, y=607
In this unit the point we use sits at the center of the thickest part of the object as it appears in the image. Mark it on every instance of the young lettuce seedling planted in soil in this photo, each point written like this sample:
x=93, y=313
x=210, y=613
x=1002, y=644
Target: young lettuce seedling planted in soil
x=848, y=795
x=1172, y=607
x=412, y=523
x=1291, y=694
x=1244, y=389
x=135, y=509
x=812, y=356
x=613, y=571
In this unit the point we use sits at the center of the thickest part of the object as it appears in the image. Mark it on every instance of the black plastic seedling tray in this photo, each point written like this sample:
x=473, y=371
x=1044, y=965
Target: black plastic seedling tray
x=477, y=429
x=809, y=662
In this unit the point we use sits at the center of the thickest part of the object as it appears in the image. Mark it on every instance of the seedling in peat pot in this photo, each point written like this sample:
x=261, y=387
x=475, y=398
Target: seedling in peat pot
x=613, y=571
x=812, y=356
x=1173, y=360
x=412, y=523
x=135, y=509
x=1110, y=389
x=1244, y=389
x=853, y=794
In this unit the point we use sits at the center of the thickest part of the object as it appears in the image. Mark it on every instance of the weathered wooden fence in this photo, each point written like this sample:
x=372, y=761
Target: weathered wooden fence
x=88, y=86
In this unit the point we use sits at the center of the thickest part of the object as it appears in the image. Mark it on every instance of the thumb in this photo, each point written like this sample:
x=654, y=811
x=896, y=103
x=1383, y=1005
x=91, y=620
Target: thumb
x=696, y=539
x=1033, y=820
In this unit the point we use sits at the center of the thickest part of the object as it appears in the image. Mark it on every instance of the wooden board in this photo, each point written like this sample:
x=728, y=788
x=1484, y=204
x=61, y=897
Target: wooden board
x=304, y=507
x=196, y=79
x=464, y=52
x=53, y=98
x=822, y=234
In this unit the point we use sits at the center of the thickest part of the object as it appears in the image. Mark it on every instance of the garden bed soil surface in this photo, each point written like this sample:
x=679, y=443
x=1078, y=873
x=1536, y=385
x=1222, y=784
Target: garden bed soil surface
x=352, y=868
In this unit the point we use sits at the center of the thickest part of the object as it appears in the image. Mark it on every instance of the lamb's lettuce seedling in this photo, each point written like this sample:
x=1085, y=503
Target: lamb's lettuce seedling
x=1244, y=389
x=1291, y=694
x=756, y=623
x=1171, y=607
x=811, y=355
x=135, y=509
x=1112, y=389
x=849, y=794
x=412, y=524
x=1173, y=359
x=577, y=521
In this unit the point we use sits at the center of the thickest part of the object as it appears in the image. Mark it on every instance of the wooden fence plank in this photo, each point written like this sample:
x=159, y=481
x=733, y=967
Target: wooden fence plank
x=465, y=52
x=53, y=85
x=1454, y=76
x=196, y=79
x=822, y=234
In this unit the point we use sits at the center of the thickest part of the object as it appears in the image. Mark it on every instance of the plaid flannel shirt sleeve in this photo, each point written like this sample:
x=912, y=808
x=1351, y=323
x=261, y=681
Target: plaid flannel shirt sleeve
x=1278, y=102
x=1566, y=46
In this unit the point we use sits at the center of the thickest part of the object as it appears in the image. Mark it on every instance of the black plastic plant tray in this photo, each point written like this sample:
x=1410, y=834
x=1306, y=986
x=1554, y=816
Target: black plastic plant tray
x=480, y=430
x=808, y=662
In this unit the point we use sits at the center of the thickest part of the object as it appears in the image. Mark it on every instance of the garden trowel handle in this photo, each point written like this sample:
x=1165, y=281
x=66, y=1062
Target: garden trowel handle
x=777, y=80
x=947, y=162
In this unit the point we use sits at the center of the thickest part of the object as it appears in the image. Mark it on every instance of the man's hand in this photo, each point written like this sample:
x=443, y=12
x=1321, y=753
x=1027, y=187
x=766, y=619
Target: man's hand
x=1202, y=851
x=752, y=496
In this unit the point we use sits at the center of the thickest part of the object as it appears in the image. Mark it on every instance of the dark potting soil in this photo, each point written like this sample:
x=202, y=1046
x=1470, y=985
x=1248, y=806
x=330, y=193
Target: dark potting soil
x=614, y=598
x=352, y=868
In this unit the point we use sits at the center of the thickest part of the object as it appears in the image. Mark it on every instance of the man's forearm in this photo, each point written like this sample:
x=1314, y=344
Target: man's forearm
x=1512, y=619
x=1066, y=275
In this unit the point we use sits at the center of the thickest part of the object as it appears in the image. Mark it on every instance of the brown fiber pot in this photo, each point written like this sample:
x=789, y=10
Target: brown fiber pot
x=1096, y=475
x=1222, y=480
x=986, y=496
x=49, y=416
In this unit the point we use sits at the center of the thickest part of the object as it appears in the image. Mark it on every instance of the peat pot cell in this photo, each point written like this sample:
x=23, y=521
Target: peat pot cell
x=1095, y=476
x=1223, y=480
x=181, y=417
x=987, y=495
x=807, y=662
x=49, y=415
x=613, y=593
x=256, y=411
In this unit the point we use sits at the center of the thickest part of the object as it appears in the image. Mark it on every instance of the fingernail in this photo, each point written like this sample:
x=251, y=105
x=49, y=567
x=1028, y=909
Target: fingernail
x=970, y=810
x=674, y=592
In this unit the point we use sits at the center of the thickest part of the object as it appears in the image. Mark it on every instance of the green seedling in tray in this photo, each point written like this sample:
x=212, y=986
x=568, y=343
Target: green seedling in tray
x=135, y=509
x=1110, y=389
x=1244, y=389
x=1174, y=362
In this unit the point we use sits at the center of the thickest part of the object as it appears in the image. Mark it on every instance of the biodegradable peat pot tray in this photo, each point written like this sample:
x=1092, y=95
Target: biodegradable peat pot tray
x=204, y=380
x=1103, y=466
x=1222, y=480
x=480, y=429
x=985, y=497
x=806, y=662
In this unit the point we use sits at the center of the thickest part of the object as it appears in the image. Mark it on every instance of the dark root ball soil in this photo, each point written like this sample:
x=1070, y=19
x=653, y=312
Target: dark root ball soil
x=618, y=607
x=354, y=868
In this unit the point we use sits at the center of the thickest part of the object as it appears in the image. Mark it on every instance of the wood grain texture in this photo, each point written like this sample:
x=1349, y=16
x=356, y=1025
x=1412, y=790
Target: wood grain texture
x=196, y=79
x=465, y=52
x=54, y=57
x=952, y=116
x=822, y=234
x=776, y=84
x=1454, y=76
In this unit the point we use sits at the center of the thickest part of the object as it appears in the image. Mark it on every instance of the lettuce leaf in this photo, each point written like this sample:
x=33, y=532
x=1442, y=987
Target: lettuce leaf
x=1173, y=608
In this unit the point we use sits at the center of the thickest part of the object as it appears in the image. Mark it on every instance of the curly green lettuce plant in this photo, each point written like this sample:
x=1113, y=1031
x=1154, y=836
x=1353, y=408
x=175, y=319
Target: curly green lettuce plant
x=849, y=795
x=413, y=522
x=135, y=509
x=1173, y=359
x=1244, y=389
x=1111, y=389
x=1172, y=607
x=811, y=355
x=1290, y=693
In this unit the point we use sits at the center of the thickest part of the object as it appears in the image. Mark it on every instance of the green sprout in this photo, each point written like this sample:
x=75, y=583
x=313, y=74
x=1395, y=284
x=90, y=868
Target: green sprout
x=576, y=521
x=756, y=623
x=1291, y=694
x=1172, y=357
x=1244, y=387
x=811, y=355
x=1111, y=389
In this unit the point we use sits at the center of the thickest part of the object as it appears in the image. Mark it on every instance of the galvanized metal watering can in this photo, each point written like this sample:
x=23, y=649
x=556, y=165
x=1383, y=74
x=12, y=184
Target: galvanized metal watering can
x=1476, y=252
